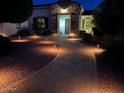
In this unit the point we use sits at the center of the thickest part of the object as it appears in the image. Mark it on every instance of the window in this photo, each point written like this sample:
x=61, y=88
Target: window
x=88, y=24
x=83, y=24
x=40, y=22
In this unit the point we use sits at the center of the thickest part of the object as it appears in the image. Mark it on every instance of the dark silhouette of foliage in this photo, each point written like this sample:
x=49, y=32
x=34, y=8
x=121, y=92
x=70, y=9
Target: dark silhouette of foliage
x=108, y=17
x=96, y=32
x=4, y=45
x=15, y=11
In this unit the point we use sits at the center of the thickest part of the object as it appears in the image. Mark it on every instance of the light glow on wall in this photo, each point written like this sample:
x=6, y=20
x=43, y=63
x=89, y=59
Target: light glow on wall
x=64, y=10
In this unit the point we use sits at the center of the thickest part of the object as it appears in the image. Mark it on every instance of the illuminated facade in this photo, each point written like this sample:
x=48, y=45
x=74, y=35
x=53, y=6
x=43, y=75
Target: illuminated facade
x=62, y=17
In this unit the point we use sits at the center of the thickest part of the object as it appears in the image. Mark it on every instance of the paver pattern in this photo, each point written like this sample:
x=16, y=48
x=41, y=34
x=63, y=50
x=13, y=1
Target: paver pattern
x=72, y=71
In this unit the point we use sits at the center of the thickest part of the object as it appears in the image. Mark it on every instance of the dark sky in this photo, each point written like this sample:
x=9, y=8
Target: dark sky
x=87, y=4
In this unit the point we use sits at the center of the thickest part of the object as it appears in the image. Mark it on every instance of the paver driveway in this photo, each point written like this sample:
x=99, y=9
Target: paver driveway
x=72, y=71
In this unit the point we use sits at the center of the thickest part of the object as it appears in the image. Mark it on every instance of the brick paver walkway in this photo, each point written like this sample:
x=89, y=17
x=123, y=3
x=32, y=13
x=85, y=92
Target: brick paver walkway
x=72, y=71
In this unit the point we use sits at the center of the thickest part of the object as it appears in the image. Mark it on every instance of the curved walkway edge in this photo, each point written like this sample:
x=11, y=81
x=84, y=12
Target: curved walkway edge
x=72, y=71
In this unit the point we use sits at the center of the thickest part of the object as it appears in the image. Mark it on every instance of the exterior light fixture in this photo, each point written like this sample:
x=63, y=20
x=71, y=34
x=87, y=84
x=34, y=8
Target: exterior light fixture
x=46, y=38
x=98, y=46
x=19, y=37
x=54, y=46
x=64, y=10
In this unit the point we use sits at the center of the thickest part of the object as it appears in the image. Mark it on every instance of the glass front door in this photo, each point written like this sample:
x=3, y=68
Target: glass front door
x=64, y=24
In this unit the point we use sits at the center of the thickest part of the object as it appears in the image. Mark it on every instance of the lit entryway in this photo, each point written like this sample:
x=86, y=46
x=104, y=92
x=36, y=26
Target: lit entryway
x=64, y=21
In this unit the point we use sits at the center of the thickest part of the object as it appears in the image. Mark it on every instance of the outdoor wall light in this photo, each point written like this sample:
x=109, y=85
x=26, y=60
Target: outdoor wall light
x=64, y=10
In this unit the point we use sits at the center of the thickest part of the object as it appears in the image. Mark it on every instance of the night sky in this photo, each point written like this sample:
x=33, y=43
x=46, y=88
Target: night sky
x=87, y=4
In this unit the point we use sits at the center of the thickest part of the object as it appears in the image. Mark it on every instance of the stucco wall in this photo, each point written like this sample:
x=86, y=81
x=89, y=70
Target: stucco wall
x=10, y=28
x=25, y=24
x=7, y=29
x=41, y=12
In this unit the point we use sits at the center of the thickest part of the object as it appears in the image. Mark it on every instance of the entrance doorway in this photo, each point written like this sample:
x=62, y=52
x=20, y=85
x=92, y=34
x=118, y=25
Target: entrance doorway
x=64, y=24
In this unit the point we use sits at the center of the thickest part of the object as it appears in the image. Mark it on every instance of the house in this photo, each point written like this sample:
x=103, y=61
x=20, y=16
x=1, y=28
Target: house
x=62, y=17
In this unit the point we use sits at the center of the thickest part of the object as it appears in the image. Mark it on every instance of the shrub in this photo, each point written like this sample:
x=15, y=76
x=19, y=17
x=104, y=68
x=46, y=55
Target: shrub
x=47, y=32
x=96, y=32
x=16, y=12
x=88, y=37
x=114, y=54
x=81, y=33
x=106, y=41
x=4, y=45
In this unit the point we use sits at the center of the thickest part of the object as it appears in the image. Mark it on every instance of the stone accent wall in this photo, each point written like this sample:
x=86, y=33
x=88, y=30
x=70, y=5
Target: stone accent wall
x=74, y=23
x=54, y=23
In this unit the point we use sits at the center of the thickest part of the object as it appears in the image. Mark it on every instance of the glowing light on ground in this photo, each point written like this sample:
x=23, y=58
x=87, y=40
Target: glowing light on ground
x=35, y=37
x=47, y=42
x=93, y=50
x=49, y=50
x=3, y=34
x=52, y=49
x=96, y=89
x=72, y=35
x=109, y=87
x=7, y=76
x=55, y=34
x=73, y=39
x=21, y=40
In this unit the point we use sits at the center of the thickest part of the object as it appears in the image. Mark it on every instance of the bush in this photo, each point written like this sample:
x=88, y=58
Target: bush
x=46, y=32
x=81, y=33
x=106, y=41
x=96, y=32
x=88, y=37
x=4, y=45
x=114, y=55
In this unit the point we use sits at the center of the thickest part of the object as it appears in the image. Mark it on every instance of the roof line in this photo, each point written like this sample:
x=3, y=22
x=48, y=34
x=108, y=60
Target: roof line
x=40, y=5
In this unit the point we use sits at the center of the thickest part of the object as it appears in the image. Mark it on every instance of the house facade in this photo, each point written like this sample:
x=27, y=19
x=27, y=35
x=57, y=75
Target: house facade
x=62, y=17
